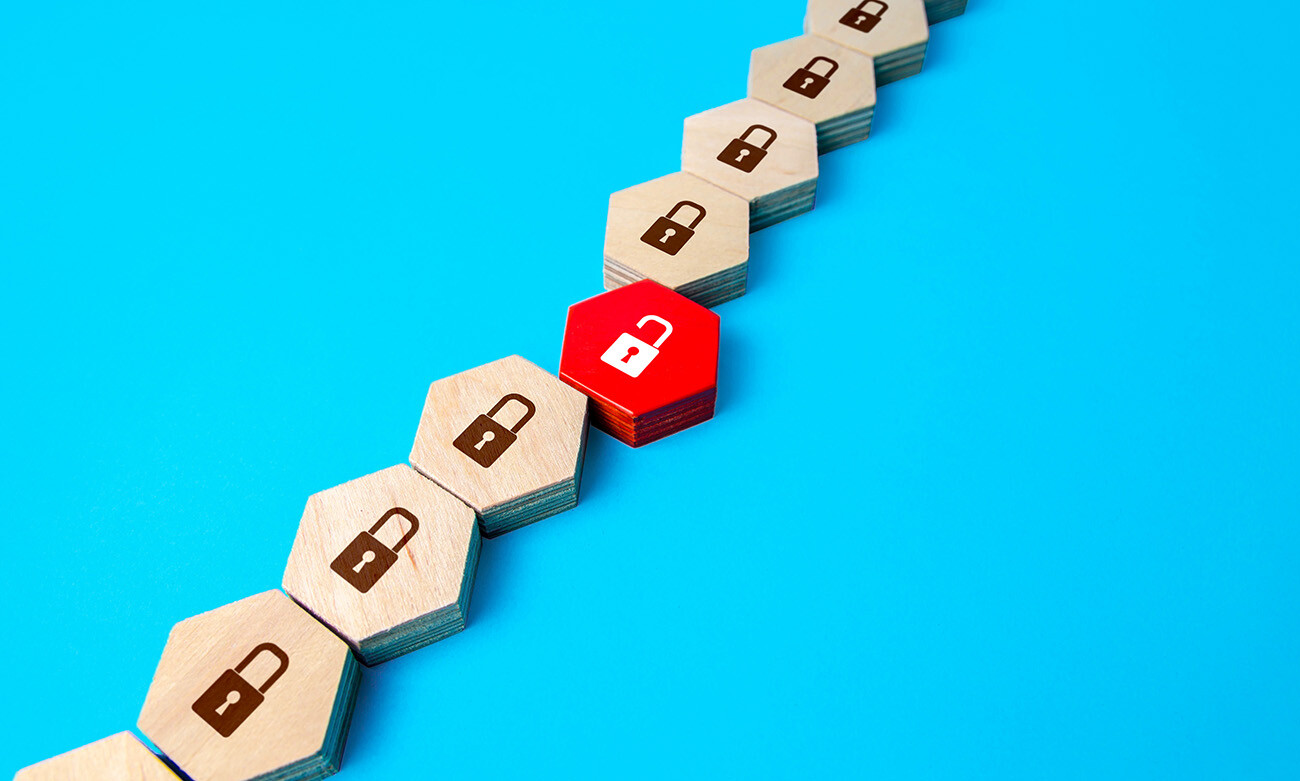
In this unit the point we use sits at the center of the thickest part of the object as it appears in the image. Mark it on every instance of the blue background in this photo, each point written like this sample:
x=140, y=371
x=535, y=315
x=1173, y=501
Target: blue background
x=1003, y=481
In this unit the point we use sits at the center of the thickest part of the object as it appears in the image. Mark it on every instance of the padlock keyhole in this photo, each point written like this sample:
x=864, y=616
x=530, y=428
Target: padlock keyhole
x=743, y=154
x=630, y=352
x=231, y=699
x=366, y=558
x=668, y=234
x=807, y=82
x=488, y=436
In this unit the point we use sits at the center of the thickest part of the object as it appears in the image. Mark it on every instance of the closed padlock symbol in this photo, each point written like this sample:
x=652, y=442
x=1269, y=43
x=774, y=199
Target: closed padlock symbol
x=744, y=155
x=231, y=700
x=630, y=355
x=859, y=18
x=366, y=559
x=668, y=235
x=485, y=439
x=808, y=82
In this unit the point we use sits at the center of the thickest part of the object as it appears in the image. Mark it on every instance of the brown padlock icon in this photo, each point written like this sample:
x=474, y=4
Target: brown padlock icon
x=485, y=439
x=743, y=155
x=366, y=559
x=808, y=82
x=229, y=701
x=859, y=18
x=668, y=235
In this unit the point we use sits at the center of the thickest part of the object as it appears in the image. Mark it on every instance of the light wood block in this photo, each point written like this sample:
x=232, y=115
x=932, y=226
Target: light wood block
x=121, y=757
x=530, y=466
x=295, y=684
x=763, y=154
x=896, y=42
x=683, y=233
x=387, y=561
x=812, y=77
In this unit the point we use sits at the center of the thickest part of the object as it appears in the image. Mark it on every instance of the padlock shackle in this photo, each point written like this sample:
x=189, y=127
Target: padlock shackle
x=691, y=204
x=528, y=406
x=410, y=518
x=668, y=328
x=770, y=132
x=863, y=6
x=834, y=66
x=274, y=650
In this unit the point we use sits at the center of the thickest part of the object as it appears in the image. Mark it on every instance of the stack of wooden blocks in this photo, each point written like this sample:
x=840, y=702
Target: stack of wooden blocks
x=264, y=688
x=893, y=34
x=683, y=232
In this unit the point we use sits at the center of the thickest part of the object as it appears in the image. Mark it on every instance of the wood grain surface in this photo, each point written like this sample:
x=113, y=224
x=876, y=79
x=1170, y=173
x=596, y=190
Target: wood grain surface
x=289, y=727
x=790, y=161
x=544, y=455
x=848, y=93
x=720, y=240
x=121, y=757
x=902, y=32
x=428, y=577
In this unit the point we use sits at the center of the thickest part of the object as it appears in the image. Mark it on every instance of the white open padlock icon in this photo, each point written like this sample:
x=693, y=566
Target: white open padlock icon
x=630, y=355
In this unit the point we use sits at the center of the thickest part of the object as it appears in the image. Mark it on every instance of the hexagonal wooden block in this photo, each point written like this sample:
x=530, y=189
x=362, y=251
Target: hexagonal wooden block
x=121, y=757
x=942, y=10
x=507, y=438
x=894, y=34
x=257, y=689
x=683, y=233
x=387, y=561
x=647, y=357
x=764, y=155
x=815, y=78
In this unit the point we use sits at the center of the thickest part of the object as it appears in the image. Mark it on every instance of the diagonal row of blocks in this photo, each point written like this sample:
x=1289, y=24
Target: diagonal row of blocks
x=264, y=688
x=753, y=163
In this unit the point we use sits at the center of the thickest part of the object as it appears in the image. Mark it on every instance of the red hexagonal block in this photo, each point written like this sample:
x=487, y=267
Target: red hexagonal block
x=647, y=357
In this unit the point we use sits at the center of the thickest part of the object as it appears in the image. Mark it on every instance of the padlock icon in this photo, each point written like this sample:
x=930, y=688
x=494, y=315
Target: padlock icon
x=485, y=439
x=668, y=235
x=808, y=82
x=630, y=355
x=231, y=700
x=745, y=156
x=859, y=18
x=366, y=559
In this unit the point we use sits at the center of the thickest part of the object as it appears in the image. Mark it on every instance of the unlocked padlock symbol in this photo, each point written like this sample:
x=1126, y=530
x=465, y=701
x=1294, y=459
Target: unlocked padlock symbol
x=630, y=355
x=808, y=82
x=231, y=700
x=668, y=235
x=485, y=439
x=859, y=18
x=744, y=155
x=366, y=559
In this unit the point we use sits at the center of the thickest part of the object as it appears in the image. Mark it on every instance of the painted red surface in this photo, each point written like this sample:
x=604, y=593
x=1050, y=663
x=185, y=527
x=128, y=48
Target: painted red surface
x=683, y=372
